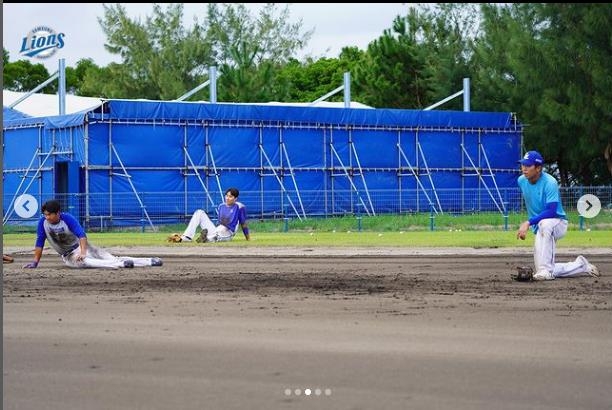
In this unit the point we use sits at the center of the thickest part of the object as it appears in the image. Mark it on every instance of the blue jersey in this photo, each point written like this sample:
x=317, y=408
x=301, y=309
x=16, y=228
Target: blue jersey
x=544, y=191
x=231, y=216
x=63, y=236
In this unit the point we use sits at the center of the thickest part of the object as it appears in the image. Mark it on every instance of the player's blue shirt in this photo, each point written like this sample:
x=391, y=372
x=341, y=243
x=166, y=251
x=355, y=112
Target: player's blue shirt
x=63, y=236
x=231, y=216
x=544, y=191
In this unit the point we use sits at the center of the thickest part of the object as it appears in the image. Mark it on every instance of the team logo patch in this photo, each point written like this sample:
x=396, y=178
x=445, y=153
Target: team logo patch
x=41, y=42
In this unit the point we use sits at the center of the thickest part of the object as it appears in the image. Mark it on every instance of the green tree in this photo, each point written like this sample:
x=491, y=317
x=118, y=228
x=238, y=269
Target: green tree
x=448, y=31
x=89, y=80
x=493, y=75
x=391, y=74
x=160, y=59
x=310, y=80
x=23, y=76
x=421, y=59
x=550, y=64
x=250, y=52
x=75, y=76
x=577, y=47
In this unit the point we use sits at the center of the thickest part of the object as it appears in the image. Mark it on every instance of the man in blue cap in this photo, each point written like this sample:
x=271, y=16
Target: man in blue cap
x=548, y=221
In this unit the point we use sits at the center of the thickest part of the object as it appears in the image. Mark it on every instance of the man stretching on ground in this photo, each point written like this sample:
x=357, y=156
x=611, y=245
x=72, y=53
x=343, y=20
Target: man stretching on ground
x=67, y=237
x=547, y=220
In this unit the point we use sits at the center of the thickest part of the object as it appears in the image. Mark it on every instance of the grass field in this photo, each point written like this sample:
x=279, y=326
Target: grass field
x=476, y=239
x=420, y=230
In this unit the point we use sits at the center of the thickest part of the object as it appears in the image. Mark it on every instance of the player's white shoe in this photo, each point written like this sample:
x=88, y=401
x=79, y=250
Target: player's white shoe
x=588, y=267
x=543, y=275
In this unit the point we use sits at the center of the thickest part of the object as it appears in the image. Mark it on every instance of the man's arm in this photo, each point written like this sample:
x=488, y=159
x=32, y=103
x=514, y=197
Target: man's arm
x=245, y=231
x=37, y=255
x=549, y=211
x=83, y=247
x=76, y=228
x=38, y=246
x=242, y=219
x=522, y=231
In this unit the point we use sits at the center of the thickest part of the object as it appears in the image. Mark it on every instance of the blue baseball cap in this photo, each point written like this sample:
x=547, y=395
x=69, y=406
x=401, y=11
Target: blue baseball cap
x=532, y=158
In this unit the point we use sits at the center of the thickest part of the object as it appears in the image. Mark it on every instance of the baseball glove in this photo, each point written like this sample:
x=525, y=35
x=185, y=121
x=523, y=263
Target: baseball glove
x=175, y=238
x=523, y=274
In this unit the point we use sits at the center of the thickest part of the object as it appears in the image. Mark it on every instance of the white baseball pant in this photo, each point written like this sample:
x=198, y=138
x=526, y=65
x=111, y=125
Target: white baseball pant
x=549, y=231
x=100, y=258
x=215, y=233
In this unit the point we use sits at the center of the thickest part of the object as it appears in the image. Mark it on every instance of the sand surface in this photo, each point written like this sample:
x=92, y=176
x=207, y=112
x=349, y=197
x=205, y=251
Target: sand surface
x=291, y=328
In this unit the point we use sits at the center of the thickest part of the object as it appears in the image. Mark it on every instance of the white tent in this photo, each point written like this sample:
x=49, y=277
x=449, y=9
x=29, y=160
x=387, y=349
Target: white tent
x=325, y=104
x=44, y=105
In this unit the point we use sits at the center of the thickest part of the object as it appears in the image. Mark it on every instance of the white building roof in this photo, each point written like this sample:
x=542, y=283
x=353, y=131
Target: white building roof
x=326, y=104
x=44, y=105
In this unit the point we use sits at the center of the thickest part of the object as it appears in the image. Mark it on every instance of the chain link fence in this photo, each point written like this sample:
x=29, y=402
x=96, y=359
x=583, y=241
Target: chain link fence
x=470, y=209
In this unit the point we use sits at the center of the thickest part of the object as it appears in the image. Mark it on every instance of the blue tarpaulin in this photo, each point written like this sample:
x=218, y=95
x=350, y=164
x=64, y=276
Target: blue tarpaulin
x=10, y=114
x=132, y=160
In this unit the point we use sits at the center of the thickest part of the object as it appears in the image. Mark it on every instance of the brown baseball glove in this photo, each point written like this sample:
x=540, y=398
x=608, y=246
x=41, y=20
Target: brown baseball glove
x=523, y=274
x=7, y=258
x=175, y=238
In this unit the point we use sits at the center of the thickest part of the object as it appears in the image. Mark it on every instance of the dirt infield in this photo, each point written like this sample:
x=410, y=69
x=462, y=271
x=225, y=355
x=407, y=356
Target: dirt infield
x=307, y=328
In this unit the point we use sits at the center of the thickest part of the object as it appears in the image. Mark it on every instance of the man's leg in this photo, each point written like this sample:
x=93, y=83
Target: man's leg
x=142, y=261
x=201, y=219
x=220, y=234
x=101, y=258
x=95, y=258
x=549, y=231
x=577, y=267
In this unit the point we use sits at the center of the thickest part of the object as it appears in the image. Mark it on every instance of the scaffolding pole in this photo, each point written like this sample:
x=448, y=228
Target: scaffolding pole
x=280, y=182
x=297, y=191
x=365, y=186
x=484, y=153
x=346, y=173
x=416, y=176
x=481, y=178
x=25, y=175
x=418, y=146
x=198, y=176
x=129, y=178
x=214, y=167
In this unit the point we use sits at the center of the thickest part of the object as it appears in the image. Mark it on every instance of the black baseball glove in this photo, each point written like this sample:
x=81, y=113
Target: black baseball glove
x=523, y=274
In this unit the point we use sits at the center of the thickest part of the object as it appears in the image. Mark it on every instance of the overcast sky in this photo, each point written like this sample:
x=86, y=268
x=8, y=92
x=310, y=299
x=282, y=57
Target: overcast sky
x=335, y=26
